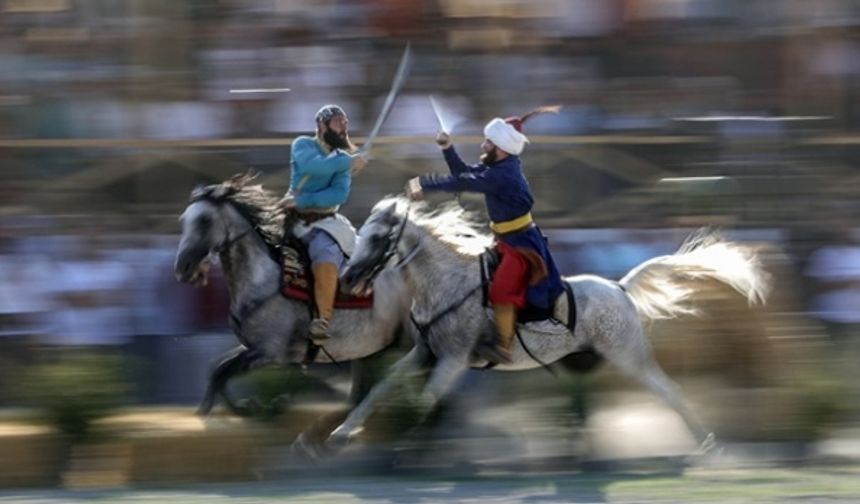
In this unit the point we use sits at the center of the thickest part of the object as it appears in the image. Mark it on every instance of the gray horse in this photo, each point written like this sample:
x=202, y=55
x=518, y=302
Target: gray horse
x=437, y=256
x=243, y=225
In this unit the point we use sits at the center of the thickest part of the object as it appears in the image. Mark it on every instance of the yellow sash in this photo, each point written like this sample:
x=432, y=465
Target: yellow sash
x=512, y=225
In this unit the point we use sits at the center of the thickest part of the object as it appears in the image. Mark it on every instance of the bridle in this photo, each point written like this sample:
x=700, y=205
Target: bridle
x=391, y=251
x=228, y=241
x=423, y=328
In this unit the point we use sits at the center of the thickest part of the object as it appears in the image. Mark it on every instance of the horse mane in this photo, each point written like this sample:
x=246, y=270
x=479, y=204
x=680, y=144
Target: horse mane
x=258, y=205
x=450, y=223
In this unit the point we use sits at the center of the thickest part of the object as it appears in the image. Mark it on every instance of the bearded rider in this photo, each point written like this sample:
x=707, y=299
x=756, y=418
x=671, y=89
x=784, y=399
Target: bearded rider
x=322, y=170
x=527, y=274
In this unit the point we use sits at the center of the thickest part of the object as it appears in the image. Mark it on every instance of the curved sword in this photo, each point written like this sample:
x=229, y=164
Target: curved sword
x=399, y=78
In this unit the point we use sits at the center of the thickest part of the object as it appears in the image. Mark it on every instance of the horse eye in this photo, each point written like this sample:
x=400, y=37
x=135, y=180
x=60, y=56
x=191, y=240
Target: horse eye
x=205, y=221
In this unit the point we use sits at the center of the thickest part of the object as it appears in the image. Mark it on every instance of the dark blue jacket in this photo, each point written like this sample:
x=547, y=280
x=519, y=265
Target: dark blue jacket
x=508, y=197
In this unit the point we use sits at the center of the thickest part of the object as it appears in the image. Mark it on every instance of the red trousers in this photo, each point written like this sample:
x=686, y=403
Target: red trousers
x=510, y=282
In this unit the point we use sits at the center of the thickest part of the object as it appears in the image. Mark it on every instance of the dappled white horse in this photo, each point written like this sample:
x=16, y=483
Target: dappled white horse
x=437, y=254
x=243, y=225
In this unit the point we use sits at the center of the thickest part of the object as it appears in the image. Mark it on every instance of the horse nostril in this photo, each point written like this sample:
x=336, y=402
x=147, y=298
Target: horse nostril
x=183, y=267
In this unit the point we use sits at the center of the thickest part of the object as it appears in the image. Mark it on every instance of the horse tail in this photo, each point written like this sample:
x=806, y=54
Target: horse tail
x=672, y=285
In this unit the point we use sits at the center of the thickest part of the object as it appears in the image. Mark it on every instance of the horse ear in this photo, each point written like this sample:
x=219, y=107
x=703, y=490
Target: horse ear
x=198, y=192
x=390, y=213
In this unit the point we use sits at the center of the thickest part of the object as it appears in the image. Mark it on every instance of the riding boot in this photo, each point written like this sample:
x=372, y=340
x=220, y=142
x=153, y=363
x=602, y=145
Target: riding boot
x=506, y=326
x=325, y=291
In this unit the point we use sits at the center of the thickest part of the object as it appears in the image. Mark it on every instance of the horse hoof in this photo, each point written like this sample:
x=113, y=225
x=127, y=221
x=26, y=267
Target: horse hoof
x=338, y=440
x=708, y=445
x=307, y=450
x=708, y=452
x=247, y=408
x=203, y=410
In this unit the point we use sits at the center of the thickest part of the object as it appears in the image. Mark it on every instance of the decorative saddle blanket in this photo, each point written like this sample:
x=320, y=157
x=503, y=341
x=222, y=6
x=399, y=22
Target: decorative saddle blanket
x=298, y=288
x=297, y=282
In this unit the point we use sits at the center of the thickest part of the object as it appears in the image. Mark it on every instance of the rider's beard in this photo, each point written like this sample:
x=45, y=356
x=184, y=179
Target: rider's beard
x=337, y=140
x=489, y=158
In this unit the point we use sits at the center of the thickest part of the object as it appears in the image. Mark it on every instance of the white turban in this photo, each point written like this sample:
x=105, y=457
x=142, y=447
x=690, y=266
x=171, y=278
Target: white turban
x=505, y=136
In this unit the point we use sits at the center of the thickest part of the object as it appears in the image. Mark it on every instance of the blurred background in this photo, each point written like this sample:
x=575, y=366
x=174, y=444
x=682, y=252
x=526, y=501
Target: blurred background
x=742, y=114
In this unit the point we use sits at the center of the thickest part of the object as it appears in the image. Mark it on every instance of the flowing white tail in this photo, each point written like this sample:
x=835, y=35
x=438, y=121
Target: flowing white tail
x=666, y=286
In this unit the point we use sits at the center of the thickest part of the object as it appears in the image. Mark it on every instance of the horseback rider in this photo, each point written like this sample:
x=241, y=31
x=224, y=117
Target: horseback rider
x=322, y=170
x=527, y=274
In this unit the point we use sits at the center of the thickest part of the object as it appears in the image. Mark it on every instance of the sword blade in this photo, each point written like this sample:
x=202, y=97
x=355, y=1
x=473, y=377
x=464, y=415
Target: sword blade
x=399, y=78
x=443, y=124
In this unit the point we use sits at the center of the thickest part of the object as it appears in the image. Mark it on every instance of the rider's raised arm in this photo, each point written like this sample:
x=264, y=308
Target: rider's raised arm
x=306, y=153
x=456, y=164
x=335, y=194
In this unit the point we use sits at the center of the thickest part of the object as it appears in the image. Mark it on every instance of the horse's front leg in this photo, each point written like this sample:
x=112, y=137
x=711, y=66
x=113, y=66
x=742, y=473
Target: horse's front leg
x=443, y=379
x=413, y=362
x=365, y=374
x=239, y=360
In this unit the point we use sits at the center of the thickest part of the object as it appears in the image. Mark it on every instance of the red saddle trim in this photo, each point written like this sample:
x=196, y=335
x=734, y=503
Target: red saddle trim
x=297, y=288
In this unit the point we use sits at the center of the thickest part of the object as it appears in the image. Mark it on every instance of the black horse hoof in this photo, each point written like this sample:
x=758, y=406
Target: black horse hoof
x=204, y=409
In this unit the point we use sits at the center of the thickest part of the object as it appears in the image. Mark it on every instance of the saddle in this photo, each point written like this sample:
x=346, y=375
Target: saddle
x=297, y=279
x=563, y=311
x=299, y=287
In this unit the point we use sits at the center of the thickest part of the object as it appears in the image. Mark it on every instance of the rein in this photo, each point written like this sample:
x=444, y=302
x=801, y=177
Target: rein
x=424, y=328
x=248, y=310
x=392, y=249
x=230, y=241
x=410, y=256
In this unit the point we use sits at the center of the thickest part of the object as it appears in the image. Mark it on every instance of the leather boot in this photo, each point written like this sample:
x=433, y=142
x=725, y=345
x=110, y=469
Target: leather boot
x=506, y=326
x=325, y=291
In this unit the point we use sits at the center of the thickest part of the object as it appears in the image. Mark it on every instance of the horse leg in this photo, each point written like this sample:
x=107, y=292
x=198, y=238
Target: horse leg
x=235, y=361
x=444, y=377
x=643, y=368
x=365, y=374
x=216, y=380
x=414, y=361
x=310, y=443
x=656, y=380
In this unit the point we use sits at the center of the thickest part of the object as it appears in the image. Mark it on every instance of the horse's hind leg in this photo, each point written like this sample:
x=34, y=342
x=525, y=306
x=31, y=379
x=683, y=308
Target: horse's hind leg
x=638, y=362
x=655, y=379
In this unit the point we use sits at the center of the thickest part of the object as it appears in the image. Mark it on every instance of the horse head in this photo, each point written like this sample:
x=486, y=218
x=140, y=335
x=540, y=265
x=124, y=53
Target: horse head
x=204, y=231
x=397, y=230
x=210, y=223
x=378, y=241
